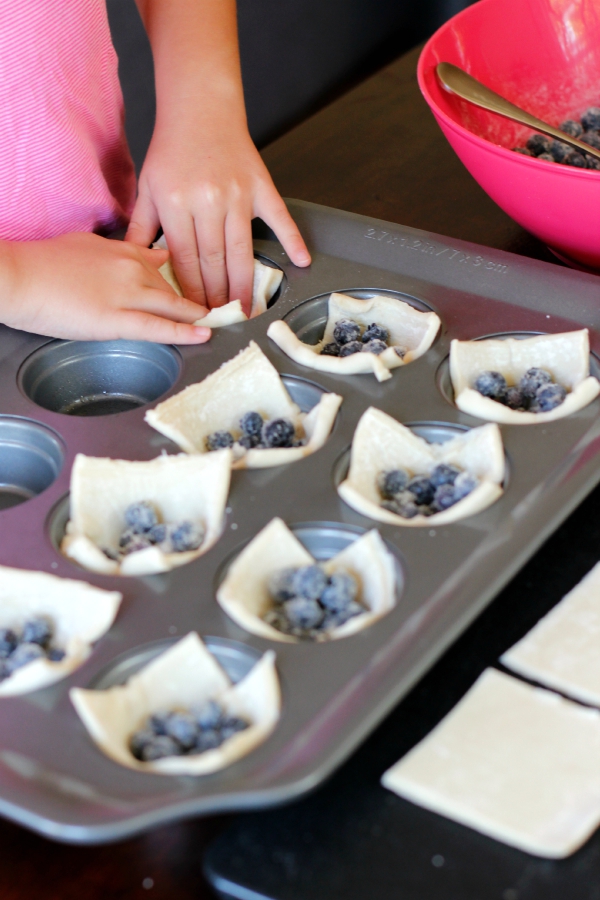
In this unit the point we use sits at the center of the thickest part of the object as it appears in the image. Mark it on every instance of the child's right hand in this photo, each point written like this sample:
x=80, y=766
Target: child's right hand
x=85, y=287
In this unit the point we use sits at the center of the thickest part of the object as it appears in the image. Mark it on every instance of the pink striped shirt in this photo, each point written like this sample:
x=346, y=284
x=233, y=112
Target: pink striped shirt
x=64, y=161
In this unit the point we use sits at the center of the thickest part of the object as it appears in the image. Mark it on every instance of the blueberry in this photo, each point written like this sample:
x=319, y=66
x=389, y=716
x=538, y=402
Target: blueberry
x=532, y=381
x=207, y=740
x=538, y=143
x=5, y=670
x=422, y=489
x=139, y=740
x=232, y=725
x=158, y=533
x=251, y=423
x=591, y=119
x=444, y=497
x=375, y=347
x=278, y=433
x=346, y=331
x=592, y=138
x=548, y=397
x=301, y=612
x=575, y=159
x=281, y=585
x=591, y=162
x=331, y=349
x=130, y=542
x=218, y=440
x=210, y=715
x=24, y=654
x=350, y=348
x=158, y=722
x=515, y=399
x=571, y=127
x=309, y=582
x=185, y=536
x=55, y=654
x=547, y=157
x=402, y=505
x=249, y=441
x=400, y=351
x=159, y=747
x=341, y=617
x=444, y=474
x=375, y=332
x=464, y=484
x=37, y=631
x=491, y=384
x=559, y=150
x=183, y=728
x=523, y=150
x=341, y=590
x=8, y=642
x=392, y=483
x=140, y=517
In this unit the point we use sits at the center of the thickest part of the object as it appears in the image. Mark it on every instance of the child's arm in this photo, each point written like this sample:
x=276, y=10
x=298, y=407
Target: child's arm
x=203, y=179
x=82, y=286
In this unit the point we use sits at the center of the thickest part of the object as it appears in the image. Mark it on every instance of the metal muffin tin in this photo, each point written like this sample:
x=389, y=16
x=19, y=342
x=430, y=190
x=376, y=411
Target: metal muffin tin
x=53, y=779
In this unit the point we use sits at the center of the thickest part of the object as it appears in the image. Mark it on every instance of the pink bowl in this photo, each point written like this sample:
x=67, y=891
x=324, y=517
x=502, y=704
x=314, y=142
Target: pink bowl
x=544, y=55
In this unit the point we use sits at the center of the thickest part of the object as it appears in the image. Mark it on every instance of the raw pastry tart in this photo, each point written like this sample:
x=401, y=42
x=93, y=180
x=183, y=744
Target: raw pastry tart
x=47, y=627
x=265, y=284
x=410, y=333
x=115, y=504
x=214, y=413
x=529, y=369
x=252, y=591
x=186, y=680
x=383, y=450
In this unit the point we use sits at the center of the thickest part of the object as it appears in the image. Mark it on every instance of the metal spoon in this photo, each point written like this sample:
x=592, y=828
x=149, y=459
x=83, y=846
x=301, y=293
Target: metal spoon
x=458, y=82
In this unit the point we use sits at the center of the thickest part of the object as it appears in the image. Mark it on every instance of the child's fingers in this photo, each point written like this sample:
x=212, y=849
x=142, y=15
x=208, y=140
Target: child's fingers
x=210, y=233
x=169, y=305
x=272, y=210
x=240, y=258
x=142, y=326
x=144, y=221
x=181, y=238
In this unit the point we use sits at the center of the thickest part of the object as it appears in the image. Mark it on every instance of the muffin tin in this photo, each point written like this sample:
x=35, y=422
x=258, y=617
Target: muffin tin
x=52, y=777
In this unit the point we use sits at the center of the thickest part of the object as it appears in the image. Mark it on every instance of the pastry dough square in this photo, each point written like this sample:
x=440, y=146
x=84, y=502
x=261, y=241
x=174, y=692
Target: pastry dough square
x=563, y=650
x=566, y=356
x=184, y=676
x=381, y=444
x=246, y=382
x=409, y=327
x=515, y=762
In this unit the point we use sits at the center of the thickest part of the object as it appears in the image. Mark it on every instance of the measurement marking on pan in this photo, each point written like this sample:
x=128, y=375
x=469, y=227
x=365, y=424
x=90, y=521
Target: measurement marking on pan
x=433, y=249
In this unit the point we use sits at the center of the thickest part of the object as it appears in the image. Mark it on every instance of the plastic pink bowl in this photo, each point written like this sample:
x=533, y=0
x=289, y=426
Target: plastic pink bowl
x=544, y=55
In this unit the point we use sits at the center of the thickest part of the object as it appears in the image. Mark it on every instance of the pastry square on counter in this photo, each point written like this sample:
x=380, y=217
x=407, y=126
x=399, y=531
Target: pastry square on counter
x=512, y=761
x=178, y=493
x=563, y=650
x=210, y=413
x=410, y=333
x=562, y=359
x=184, y=677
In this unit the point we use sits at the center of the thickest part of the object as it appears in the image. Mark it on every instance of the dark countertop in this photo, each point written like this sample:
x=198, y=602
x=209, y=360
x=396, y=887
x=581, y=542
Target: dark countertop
x=376, y=151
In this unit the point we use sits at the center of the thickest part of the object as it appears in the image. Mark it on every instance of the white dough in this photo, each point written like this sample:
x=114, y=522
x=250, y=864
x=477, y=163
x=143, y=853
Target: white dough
x=265, y=283
x=184, y=677
x=566, y=356
x=409, y=328
x=80, y=615
x=182, y=488
x=563, y=650
x=245, y=383
x=515, y=762
x=244, y=593
x=381, y=444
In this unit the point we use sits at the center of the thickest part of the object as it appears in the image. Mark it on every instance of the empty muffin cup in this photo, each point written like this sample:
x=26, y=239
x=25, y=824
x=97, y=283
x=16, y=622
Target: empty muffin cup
x=31, y=457
x=98, y=378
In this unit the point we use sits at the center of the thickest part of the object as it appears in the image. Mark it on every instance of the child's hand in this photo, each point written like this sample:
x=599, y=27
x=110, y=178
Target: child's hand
x=203, y=180
x=81, y=286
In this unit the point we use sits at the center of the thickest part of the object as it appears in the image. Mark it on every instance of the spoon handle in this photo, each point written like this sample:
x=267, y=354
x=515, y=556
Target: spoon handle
x=468, y=88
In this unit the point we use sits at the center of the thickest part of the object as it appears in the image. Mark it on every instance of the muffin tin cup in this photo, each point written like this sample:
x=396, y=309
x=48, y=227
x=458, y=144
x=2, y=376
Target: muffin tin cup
x=52, y=777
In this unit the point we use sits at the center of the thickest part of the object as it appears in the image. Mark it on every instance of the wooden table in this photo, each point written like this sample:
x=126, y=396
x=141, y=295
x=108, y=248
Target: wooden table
x=376, y=151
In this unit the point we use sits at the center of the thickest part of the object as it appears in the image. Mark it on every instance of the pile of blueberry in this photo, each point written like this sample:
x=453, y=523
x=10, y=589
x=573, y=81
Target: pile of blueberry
x=256, y=432
x=184, y=732
x=34, y=642
x=307, y=603
x=424, y=495
x=586, y=130
x=348, y=338
x=535, y=392
x=144, y=529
